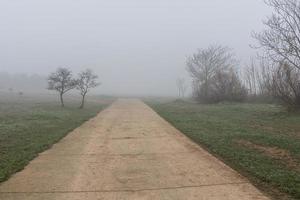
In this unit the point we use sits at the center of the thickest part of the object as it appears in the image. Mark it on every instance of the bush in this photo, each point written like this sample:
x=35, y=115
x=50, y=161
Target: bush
x=224, y=86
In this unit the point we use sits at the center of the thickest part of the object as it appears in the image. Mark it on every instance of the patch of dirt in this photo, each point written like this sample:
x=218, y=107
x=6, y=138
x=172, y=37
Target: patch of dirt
x=274, y=152
x=263, y=127
x=289, y=130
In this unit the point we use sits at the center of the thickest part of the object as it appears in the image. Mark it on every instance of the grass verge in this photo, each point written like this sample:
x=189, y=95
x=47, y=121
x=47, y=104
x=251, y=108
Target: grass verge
x=30, y=126
x=261, y=141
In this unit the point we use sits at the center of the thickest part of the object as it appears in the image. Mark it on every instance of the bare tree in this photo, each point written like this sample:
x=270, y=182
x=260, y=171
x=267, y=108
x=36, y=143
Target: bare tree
x=227, y=86
x=285, y=85
x=265, y=78
x=257, y=76
x=62, y=82
x=281, y=38
x=251, y=78
x=205, y=65
x=181, y=86
x=280, y=81
x=87, y=80
x=281, y=44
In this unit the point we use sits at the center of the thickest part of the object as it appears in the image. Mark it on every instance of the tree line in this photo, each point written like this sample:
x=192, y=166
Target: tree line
x=19, y=82
x=62, y=81
x=274, y=74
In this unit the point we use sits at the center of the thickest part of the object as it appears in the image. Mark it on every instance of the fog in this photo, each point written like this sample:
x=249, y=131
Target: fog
x=137, y=47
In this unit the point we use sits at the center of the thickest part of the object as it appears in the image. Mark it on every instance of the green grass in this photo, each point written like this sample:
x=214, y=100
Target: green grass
x=220, y=128
x=30, y=125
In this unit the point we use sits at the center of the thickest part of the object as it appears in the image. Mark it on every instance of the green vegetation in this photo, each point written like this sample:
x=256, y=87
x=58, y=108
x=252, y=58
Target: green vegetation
x=30, y=125
x=262, y=141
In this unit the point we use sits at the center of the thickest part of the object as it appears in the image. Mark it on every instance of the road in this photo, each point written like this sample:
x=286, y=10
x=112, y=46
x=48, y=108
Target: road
x=127, y=152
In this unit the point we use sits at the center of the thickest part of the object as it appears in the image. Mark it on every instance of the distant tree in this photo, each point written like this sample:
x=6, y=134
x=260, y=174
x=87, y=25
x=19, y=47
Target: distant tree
x=61, y=81
x=181, y=86
x=86, y=80
x=251, y=78
x=227, y=86
x=258, y=79
x=204, y=64
x=212, y=71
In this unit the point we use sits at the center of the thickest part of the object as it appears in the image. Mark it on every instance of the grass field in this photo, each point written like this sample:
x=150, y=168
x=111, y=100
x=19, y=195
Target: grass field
x=31, y=124
x=261, y=141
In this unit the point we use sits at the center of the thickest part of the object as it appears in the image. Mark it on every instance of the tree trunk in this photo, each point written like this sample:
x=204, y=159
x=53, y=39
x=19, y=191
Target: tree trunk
x=82, y=102
x=62, y=100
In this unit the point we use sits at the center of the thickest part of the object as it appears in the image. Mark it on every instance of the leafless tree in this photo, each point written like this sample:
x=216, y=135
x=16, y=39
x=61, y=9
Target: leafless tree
x=264, y=77
x=281, y=44
x=280, y=81
x=251, y=78
x=87, y=80
x=181, y=86
x=204, y=64
x=61, y=81
x=207, y=67
x=281, y=38
x=285, y=85
x=257, y=76
x=227, y=86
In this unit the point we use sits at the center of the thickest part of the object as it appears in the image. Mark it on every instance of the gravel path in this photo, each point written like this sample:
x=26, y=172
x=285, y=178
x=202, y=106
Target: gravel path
x=127, y=152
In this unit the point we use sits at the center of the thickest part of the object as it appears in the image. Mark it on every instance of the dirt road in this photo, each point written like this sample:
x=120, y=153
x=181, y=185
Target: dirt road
x=127, y=152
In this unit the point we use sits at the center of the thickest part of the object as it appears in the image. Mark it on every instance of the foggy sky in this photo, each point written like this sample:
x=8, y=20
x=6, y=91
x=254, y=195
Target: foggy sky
x=135, y=46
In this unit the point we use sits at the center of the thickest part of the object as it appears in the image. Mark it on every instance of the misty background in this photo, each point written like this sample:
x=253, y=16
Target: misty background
x=137, y=47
